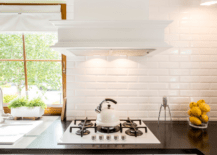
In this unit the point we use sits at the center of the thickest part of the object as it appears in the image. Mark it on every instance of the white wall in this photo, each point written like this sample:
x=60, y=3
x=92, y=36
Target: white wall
x=185, y=73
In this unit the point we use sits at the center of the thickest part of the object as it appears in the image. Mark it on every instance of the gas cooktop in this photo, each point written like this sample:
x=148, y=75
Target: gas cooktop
x=129, y=131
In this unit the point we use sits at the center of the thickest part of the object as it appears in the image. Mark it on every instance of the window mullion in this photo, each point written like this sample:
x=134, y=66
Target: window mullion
x=25, y=67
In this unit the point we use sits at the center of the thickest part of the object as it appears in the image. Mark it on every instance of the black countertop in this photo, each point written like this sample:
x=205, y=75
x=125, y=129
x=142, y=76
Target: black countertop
x=175, y=138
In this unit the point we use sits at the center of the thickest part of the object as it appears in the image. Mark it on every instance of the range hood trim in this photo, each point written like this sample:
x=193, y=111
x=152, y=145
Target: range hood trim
x=123, y=35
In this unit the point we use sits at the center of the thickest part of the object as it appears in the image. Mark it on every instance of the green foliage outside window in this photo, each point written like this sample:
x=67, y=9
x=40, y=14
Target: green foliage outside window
x=8, y=98
x=45, y=75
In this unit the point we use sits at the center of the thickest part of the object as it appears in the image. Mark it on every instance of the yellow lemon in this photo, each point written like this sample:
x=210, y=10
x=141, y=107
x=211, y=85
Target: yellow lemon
x=204, y=118
x=195, y=120
x=192, y=104
x=196, y=111
x=205, y=107
x=199, y=102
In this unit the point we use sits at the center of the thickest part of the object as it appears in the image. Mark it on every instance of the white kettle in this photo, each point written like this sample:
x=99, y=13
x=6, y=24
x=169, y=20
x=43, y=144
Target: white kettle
x=107, y=117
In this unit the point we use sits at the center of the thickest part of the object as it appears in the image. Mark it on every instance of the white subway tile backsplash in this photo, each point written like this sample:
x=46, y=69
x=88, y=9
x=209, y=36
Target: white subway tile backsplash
x=129, y=93
x=169, y=79
x=138, y=86
x=161, y=72
x=117, y=86
x=181, y=86
x=96, y=71
x=169, y=65
x=117, y=71
x=179, y=58
x=179, y=71
x=184, y=73
x=148, y=79
x=139, y=72
x=148, y=93
x=200, y=86
x=134, y=100
x=158, y=86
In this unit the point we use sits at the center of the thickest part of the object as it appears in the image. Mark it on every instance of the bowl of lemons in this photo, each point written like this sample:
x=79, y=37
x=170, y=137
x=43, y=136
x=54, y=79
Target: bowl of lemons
x=198, y=114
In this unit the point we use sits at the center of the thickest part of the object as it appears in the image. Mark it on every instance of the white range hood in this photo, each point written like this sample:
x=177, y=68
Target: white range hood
x=96, y=31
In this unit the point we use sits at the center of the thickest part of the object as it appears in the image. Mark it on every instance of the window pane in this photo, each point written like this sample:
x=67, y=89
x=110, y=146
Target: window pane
x=45, y=80
x=12, y=79
x=11, y=46
x=38, y=46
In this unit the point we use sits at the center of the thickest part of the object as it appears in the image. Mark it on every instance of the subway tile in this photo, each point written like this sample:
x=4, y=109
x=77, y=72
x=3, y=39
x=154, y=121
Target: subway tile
x=208, y=79
x=138, y=100
x=117, y=86
x=85, y=106
x=200, y=86
x=190, y=93
x=190, y=79
x=106, y=93
x=179, y=72
x=148, y=65
x=127, y=79
x=137, y=114
x=75, y=113
x=180, y=86
x=190, y=65
x=179, y=58
x=138, y=86
x=213, y=86
x=158, y=86
x=208, y=65
x=148, y=79
x=179, y=99
x=128, y=93
x=155, y=72
x=169, y=65
x=169, y=79
x=169, y=92
x=85, y=78
x=209, y=93
x=158, y=58
x=84, y=93
x=201, y=72
x=126, y=107
x=96, y=71
x=117, y=71
x=75, y=100
x=70, y=64
x=155, y=99
x=148, y=93
x=75, y=71
x=96, y=85
x=143, y=107
x=141, y=72
x=76, y=85
x=106, y=78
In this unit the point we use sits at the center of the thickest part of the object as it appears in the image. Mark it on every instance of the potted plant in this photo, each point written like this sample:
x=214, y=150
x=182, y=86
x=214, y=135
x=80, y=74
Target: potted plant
x=21, y=107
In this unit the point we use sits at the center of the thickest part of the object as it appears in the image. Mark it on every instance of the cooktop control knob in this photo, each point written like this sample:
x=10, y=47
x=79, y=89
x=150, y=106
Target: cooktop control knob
x=123, y=137
x=93, y=137
x=101, y=137
x=108, y=137
x=116, y=137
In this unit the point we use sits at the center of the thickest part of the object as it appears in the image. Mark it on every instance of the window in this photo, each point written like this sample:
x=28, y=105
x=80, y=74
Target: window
x=33, y=71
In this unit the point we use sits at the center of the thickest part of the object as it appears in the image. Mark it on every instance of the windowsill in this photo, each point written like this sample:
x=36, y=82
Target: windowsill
x=48, y=105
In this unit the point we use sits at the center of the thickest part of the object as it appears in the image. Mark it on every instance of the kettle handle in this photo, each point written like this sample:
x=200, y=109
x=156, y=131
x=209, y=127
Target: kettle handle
x=111, y=100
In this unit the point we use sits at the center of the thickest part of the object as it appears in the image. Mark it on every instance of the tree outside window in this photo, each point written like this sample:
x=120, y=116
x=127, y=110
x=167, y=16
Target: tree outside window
x=42, y=63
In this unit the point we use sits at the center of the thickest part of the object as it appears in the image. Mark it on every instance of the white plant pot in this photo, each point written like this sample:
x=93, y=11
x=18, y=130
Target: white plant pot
x=27, y=112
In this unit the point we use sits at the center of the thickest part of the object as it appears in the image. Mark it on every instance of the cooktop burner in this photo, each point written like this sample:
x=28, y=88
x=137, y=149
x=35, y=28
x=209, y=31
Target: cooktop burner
x=129, y=124
x=85, y=132
x=132, y=132
x=87, y=124
x=108, y=129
